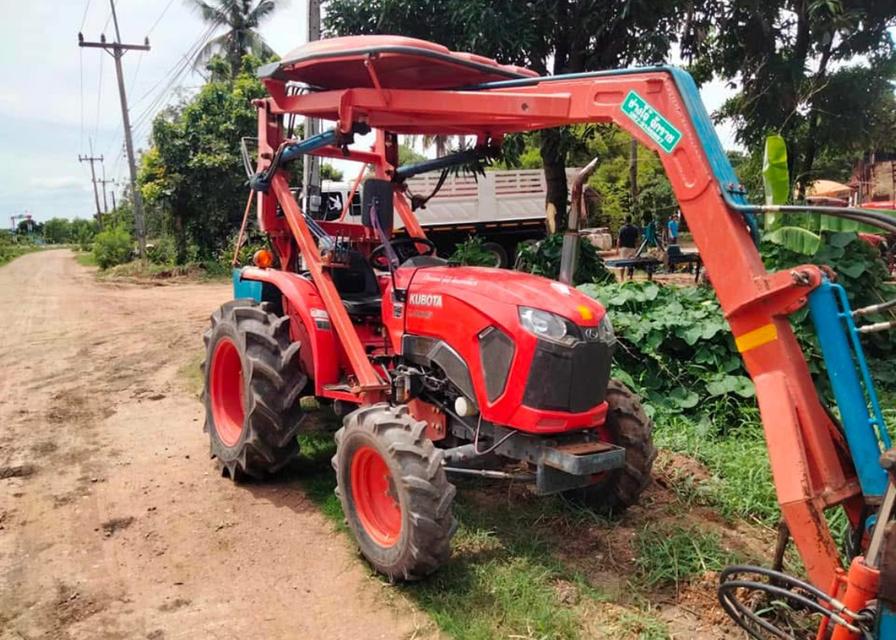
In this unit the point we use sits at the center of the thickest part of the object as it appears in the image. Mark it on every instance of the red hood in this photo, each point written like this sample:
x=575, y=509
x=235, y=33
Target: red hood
x=483, y=285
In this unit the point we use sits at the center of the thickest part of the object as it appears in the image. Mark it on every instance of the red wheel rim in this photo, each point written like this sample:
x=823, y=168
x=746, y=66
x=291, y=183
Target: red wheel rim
x=374, y=497
x=226, y=390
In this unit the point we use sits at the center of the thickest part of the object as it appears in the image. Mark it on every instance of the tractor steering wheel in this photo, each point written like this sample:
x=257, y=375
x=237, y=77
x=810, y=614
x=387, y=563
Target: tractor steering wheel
x=404, y=248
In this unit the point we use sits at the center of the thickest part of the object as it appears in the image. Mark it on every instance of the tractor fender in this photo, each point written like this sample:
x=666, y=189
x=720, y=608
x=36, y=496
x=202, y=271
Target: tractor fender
x=301, y=299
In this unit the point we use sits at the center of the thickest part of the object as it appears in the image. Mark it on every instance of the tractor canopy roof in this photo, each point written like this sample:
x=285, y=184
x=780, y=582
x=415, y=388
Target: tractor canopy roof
x=400, y=63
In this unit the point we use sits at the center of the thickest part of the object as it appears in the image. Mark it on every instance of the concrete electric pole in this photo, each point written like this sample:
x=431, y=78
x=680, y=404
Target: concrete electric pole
x=311, y=168
x=117, y=50
x=91, y=159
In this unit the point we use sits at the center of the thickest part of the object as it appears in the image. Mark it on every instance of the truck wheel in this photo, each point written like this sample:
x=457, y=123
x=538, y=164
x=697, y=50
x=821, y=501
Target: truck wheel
x=252, y=384
x=500, y=253
x=627, y=426
x=394, y=492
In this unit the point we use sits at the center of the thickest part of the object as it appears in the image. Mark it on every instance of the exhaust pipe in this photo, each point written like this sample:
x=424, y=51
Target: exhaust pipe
x=569, y=254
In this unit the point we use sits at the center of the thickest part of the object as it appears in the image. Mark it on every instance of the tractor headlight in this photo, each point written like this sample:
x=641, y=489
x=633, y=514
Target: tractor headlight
x=605, y=331
x=544, y=324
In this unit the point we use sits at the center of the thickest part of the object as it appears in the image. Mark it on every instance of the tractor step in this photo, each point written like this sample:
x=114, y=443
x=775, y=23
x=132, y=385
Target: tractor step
x=571, y=466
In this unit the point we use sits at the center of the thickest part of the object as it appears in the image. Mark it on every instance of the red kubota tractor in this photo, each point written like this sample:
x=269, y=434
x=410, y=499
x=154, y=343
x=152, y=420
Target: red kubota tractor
x=441, y=369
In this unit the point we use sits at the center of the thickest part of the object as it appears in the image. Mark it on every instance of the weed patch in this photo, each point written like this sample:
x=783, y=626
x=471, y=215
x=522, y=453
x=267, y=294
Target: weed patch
x=741, y=483
x=671, y=555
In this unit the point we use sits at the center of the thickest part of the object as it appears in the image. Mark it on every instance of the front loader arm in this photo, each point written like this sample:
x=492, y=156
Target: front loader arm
x=661, y=108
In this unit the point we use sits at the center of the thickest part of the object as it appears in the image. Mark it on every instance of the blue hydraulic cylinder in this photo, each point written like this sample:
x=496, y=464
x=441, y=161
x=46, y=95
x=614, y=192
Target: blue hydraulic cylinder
x=851, y=382
x=886, y=628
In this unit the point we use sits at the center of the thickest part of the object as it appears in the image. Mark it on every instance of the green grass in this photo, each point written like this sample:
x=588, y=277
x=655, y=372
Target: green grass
x=191, y=373
x=742, y=484
x=9, y=252
x=642, y=625
x=86, y=259
x=671, y=555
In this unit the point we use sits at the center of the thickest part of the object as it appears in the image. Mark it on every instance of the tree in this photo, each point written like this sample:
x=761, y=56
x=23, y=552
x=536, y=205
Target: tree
x=193, y=171
x=557, y=36
x=57, y=231
x=240, y=18
x=798, y=63
x=329, y=172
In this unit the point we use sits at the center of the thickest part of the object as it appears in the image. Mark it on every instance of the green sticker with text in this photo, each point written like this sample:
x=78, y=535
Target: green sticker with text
x=651, y=121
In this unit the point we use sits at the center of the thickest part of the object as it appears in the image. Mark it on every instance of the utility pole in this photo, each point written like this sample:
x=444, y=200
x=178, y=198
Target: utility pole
x=311, y=168
x=91, y=159
x=117, y=50
x=104, y=182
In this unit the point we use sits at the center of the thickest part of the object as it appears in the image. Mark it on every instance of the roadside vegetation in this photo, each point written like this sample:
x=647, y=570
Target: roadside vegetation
x=12, y=247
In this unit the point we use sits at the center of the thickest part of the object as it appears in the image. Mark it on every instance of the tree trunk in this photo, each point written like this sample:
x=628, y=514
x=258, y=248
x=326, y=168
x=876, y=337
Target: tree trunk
x=554, y=160
x=180, y=240
x=804, y=177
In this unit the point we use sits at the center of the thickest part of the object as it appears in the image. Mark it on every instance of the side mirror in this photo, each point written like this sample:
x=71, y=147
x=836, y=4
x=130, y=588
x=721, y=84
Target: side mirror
x=376, y=196
x=775, y=174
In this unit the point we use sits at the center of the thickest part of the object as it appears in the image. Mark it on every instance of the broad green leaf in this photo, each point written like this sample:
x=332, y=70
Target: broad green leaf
x=840, y=239
x=796, y=239
x=691, y=334
x=683, y=398
x=775, y=174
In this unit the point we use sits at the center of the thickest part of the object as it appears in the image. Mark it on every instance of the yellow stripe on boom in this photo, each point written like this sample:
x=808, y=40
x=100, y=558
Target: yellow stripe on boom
x=756, y=338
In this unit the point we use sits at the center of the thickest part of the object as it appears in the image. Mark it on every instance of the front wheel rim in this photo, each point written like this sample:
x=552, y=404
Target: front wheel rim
x=226, y=391
x=374, y=497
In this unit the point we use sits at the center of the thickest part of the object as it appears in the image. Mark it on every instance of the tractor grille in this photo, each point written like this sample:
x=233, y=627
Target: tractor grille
x=566, y=378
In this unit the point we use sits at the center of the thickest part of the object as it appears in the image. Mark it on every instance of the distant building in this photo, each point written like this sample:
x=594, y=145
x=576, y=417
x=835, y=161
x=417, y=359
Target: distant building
x=874, y=178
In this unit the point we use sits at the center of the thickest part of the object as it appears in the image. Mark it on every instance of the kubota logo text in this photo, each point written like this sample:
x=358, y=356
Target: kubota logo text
x=426, y=299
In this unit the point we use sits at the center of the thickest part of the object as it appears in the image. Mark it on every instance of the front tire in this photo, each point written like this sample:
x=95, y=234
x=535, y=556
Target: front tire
x=253, y=380
x=627, y=426
x=394, y=493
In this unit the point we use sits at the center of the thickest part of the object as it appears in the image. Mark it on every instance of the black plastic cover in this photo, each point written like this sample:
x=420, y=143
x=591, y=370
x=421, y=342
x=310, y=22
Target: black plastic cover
x=496, y=351
x=564, y=378
x=377, y=194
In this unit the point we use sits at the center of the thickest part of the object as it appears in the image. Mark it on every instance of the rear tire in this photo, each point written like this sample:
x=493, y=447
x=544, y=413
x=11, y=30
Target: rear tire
x=253, y=380
x=500, y=253
x=394, y=493
x=626, y=426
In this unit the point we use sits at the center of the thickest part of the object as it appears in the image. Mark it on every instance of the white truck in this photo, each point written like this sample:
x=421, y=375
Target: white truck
x=504, y=208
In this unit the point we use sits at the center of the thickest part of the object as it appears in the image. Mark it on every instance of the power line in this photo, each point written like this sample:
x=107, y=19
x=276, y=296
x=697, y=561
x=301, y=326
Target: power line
x=99, y=95
x=81, y=66
x=175, y=75
x=159, y=19
x=84, y=17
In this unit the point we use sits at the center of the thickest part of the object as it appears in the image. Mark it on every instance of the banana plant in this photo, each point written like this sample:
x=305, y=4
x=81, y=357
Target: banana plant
x=801, y=233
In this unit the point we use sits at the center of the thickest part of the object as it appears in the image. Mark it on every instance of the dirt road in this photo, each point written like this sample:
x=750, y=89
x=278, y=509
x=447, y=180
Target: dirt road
x=113, y=521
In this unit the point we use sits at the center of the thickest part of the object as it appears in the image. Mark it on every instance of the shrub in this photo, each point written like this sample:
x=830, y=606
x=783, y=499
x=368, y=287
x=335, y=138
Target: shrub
x=253, y=240
x=471, y=252
x=113, y=246
x=543, y=259
x=161, y=251
x=675, y=348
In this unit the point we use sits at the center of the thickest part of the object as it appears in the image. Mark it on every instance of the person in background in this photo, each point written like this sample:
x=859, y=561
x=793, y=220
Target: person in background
x=628, y=239
x=672, y=228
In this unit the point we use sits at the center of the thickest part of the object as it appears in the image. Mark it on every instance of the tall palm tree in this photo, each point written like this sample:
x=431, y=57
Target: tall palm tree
x=241, y=18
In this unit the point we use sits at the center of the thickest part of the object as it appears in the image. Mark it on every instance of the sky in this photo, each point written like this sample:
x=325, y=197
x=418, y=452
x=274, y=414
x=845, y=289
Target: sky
x=57, y=98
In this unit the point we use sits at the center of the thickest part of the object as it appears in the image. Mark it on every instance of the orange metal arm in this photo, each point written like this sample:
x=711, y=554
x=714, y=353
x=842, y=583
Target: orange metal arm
x=368, y=380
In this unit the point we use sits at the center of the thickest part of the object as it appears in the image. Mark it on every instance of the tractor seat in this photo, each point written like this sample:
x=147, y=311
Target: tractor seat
x=357, y=286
